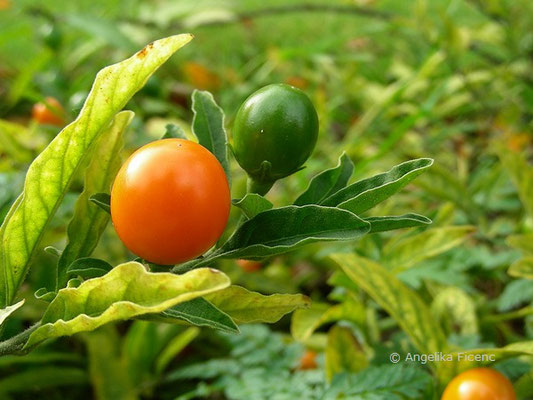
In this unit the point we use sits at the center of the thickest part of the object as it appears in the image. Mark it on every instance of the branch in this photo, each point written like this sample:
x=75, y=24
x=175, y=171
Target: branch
x=279, y=10
x=15, y=344
x=323, y=8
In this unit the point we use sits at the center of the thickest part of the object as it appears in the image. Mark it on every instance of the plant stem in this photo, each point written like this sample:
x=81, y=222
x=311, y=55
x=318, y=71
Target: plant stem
x=15, y=344
x=257, y=187
x=508, y=316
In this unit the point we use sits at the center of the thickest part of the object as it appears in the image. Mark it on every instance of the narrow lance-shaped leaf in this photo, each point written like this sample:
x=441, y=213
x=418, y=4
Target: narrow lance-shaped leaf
x=363, y=195
x=282, y=229
x=402, y=303
x=50, y=174
x=200, y=312
x=522, y=268
x=521, y=174
x=455, y=308
x=174, y=131
x=107, y=368
x=102, y=200
x=523, y=242
x=42, y=377
x=343, y=352
x=327, y=183
x=46, y=357
x=6, y=312
x=208, y=126
x=89, y=222
x=252, y=204
x=403, y=253
x=88, y=268
x=245, y=306
x=10, y=144
x=175, y=347
x=491, y=355
x=389, y=223
x=127, y=291
x=305, y=321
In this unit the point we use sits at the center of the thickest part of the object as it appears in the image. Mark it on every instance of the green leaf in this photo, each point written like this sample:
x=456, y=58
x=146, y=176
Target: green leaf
x=141, y=346
x=343, y=352
x=42, y=378
x=175, y=347
x=174, y=131
x=107, y=368
x=382, y=224
x=244, y=306
x=208, y=126
x=53, y=251
x=252, y=204
x=44, y=294
x=524, y=385
x=406, y=252
x=516, y=292
x=89, y=222
x=363, y=195
x=327, y=183
x=7, y=311
x=402, y=303
x=51, y=173
x=454, y=308
x=522, y=242
x=304, y=322
x=89, y=268
x=127, y=291
x=283, y=229
x=100, y=28
x=445, y=184
x=10, y=144
x=522, y=268
x=521, y=174
x=200, y=312
x=491, y=355
x=102, y=200
x=388, y=382
x=47, y=357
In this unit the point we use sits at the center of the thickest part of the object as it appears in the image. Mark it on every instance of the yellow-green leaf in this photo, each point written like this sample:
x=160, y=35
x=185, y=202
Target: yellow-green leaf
x=108, y=370
x=125, y=292
x=522, y=242
x=403, y=253
x=6, y=312
x=453, y=307
x=522, y=268
x=306, y=321
x=51, y=173
x=402, y=303
x=521, y=174
x=343, y=353
x=244, y=306
x=176, y=345
x=89, y=221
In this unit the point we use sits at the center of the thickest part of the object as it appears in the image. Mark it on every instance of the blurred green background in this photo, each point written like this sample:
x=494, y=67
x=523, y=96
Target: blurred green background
x=391, y=80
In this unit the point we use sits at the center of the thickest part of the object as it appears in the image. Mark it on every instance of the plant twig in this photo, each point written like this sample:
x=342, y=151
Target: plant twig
x=298, y=8
x=15, y=344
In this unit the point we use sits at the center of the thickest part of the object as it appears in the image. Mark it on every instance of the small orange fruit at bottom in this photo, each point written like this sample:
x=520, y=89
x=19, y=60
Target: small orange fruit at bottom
x=479, y=384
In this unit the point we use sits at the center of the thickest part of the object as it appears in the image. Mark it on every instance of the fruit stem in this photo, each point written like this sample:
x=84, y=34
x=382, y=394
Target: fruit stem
x=258, y=187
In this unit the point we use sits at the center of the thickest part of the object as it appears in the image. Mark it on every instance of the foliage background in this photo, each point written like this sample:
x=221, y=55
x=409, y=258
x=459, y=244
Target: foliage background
x=392, y=80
